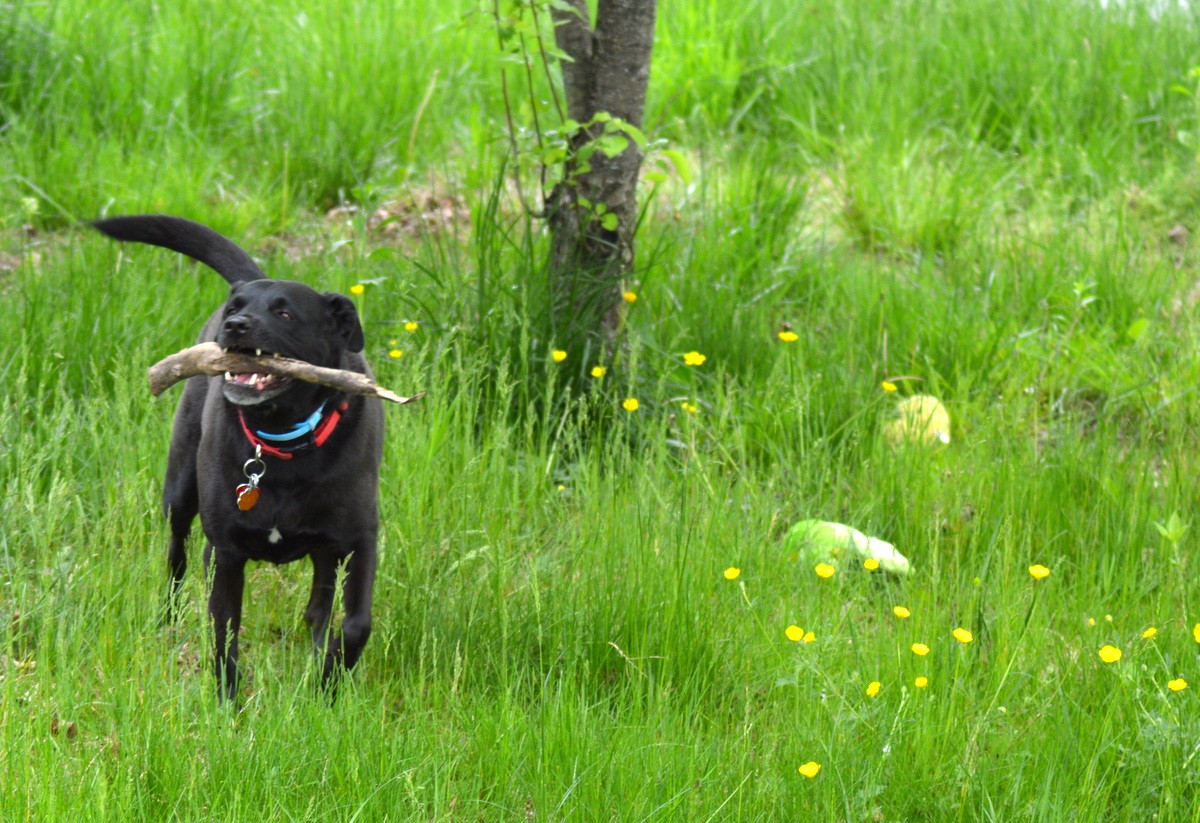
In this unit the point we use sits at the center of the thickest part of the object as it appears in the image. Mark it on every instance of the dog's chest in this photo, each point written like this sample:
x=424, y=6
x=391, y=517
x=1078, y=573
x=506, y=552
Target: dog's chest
x=275, y=544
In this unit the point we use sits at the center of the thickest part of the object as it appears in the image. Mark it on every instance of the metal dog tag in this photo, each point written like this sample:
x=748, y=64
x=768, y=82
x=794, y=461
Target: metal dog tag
x=247, y=496
x=247, y=493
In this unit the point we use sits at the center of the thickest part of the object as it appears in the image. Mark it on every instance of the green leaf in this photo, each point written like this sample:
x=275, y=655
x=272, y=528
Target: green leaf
x=612, y=144
x=655, y=177
x=682, y=167
x=1137, y=328
x=609, y=221
x=633, y=131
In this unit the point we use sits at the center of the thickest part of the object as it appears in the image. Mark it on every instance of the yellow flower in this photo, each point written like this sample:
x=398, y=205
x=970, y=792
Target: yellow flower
x=1196, y=632
x=629, y=297
x=412, y=325
x=963, y=636
x=1150, y=632
x=873, y=688
x=1110, y=654
x=690, y=408
x=810, y=769
x=395, y=354
x=558, y=355
x=599, y=371
x=870, y=564
x=825, y=570
x=901, y=612
x=1091, y=621
x=921, y=682
x=809, y=637
x=1177, y=685
x=694, y=358
x=788, y=336
x=1039, y=571
x=1108, y=617
x=794, y=633
x=920, y=649
x=888, y=385
x=358, y=288
x=630, y=404
x=732, y=572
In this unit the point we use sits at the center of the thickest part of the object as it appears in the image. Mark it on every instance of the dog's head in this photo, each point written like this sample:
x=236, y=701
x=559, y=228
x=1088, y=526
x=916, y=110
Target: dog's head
x=285, y=318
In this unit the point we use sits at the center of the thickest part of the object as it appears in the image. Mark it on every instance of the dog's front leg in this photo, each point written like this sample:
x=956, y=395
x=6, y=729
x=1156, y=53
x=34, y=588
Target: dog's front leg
x=225, y=610
x=345, y=647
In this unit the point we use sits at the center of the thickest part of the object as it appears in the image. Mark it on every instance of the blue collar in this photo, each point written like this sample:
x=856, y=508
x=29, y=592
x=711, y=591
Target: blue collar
x=305, y=427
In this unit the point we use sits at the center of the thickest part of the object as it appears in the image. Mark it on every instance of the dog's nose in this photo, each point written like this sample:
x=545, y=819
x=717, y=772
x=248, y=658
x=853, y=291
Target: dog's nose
x=237, y=325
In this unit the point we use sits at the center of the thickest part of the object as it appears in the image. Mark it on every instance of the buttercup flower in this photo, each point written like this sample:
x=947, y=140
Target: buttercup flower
x=1110, y=654
x=690, y=408
x=788, y=336
x=732, y=572
x=1196, y=632
x=873, y=688
x=921, y=682
x=963, y=636
x=794, y=633
x=1039, y=571
x=630, y=404
x=599, y=371
x=809, y=637
x=824, y=570
x=558, y=355
x=900, y=612
x=810, y=769
x=412, y=325
x=358, y=288
x=1150, y=632
x=629, y=297
x=1177, y=685
x=870, y=564
x=1091, y=621
x=694, y=358
x=920, y=649
x=888, y=385
x=395, y=354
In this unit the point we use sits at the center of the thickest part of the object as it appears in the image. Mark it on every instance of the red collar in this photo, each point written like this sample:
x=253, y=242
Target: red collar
x=320, y=434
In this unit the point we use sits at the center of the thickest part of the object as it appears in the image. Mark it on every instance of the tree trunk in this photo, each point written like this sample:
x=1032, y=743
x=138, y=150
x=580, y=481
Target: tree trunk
x=609, y=74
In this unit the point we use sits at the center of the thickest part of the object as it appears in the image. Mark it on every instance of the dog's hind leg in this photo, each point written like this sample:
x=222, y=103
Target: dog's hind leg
x=320, y=602
x=347, y=645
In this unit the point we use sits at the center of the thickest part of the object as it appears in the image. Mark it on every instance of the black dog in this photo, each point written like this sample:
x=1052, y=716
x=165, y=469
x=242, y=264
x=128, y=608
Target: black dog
x=277, y=469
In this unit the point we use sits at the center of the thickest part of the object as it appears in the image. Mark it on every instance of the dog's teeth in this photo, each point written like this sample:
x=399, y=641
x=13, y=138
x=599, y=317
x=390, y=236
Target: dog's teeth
x=228, y=375
x=258, y=352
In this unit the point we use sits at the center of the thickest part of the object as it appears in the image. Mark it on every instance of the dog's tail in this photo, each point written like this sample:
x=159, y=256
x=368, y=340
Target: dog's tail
x=199, y=242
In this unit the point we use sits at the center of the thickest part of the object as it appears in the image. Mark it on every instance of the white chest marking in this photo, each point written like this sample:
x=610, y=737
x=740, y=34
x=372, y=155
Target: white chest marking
x=274, y=536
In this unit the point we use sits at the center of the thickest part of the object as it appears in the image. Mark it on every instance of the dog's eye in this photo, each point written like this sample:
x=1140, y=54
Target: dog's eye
x=284, y=314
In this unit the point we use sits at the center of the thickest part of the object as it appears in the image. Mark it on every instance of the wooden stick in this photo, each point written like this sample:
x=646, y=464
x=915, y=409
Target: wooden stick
x=211, y=359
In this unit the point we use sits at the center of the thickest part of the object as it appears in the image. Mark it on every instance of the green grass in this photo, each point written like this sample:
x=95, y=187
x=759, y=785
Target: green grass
x=974, y=199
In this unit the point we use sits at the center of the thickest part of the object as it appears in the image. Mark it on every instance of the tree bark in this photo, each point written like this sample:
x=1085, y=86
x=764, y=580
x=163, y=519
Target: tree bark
x=608, y=73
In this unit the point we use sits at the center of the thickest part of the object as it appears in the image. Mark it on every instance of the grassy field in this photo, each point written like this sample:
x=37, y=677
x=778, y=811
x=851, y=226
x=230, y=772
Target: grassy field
x=993, y=202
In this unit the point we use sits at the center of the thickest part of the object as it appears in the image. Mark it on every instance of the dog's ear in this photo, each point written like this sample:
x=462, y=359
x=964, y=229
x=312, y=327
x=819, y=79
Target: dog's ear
x=345, y=317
